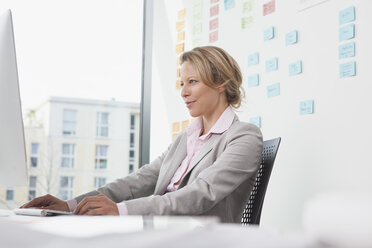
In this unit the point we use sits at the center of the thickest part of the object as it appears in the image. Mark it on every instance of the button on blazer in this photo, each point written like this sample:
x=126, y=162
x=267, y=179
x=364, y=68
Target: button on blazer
x=218, y=182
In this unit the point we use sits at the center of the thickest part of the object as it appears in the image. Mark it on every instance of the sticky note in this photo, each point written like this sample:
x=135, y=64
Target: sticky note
x=213, y=36
x=180, y=36
x=180, y=25
x=269, y=33
x=272, y=64
x=346, y=15
x=247, y=6
x=185, y=124
x=295, y=68
x=181, y=14
x=197, y=28
x=229, y=4
x=269, y=7
x=213, y=24
x=346, y=50
x=256, y=121
x=247, y=22
x=273, y=90
x=347, y=69
x=176, y=127
x=291, y=38
x=307, y=107
x=253, y=59
x=253, y=80
x=346, y=32
x=180, y=48
x=213, y=11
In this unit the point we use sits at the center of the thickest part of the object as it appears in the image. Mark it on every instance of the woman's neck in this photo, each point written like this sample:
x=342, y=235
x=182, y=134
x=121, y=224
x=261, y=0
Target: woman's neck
x=209, y=121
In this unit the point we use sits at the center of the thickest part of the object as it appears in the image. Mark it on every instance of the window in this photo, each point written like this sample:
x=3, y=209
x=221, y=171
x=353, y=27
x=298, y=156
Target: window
x=9, y=194
x=132, y=139
x=132, y=121
x=131, y=167
x=99, y=182
x=101, y=157
x=69, y=122
x=131, y=154
x=66, y=188
x=34, y=154
x=102, y=124
x=68, y=152
x=32, y=188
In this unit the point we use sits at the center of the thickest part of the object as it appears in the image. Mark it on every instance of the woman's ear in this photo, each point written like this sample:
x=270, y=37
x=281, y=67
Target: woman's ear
x=221, y=89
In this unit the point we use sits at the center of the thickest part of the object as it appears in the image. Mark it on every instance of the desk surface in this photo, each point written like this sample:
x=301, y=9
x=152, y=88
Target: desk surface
x=138, y=231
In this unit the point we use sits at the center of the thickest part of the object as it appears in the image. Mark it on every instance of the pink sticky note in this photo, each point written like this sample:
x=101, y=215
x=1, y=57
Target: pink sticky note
x=269, y=7
x=213, y=24
x=214, y=10
x=213, y=36
x=214, y=1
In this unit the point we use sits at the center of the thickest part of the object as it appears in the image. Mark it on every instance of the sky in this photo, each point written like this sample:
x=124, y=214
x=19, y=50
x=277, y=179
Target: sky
x=77, y=48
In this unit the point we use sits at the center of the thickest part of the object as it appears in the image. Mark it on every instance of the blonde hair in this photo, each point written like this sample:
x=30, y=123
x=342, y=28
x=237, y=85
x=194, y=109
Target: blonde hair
x=216, y=68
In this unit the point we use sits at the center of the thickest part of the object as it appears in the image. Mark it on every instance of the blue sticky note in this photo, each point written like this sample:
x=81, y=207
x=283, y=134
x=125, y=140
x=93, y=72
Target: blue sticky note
x=347, y=69
x=346, y=50
x=269, y=33
x=273, y=90
x=291, y=38
x=346, y=15
x=346, y=32
x=253, y=80
x=229, y=4
x=256, y=121
x=253, y=59
x=295, y=68
x=307, y=107
x=272, y=64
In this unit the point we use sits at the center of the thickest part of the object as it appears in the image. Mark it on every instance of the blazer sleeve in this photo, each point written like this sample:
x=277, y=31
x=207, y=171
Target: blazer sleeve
x=237, y=163
x=138, y=184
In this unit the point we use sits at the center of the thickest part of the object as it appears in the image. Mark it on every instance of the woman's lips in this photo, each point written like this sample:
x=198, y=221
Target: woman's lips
x=189, y=103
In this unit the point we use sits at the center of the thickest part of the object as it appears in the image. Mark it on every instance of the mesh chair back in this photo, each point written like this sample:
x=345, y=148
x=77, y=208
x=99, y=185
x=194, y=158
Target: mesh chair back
x=252, y=211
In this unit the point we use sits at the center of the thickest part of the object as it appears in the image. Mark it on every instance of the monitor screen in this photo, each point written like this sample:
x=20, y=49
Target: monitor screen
x=13, y=168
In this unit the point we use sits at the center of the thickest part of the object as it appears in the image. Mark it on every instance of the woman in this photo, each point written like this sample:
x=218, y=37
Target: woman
x=208, y=170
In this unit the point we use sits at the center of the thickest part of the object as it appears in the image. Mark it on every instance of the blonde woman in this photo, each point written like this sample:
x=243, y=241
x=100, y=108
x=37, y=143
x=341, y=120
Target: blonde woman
x=209, y=169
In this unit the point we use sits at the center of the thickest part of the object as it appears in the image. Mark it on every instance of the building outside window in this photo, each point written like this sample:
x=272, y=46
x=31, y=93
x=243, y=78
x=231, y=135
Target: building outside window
x=34, y=154
x=102, y=124
x=69, y=122
x=132, y=122
x=99, y=182
x=9, y=195
x=131, y=167
x=66, y=188
x=101, y=157
x=32, y=188
x=131, y=144
x=68, y=156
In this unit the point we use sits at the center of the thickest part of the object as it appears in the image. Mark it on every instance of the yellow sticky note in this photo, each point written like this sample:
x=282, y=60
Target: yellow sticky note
x=180, y=25
x=178, y=62
x=180, y=36
x=180, y=48
x=185, y=124
x=178, y=85
x=181, y=14
x=178, y=72
x=176, y=127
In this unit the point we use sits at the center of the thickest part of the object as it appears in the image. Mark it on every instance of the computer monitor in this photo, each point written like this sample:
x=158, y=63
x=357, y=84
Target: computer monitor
x=13, y=168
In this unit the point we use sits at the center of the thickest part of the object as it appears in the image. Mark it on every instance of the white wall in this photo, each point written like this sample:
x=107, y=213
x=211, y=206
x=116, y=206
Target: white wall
x=321, y=152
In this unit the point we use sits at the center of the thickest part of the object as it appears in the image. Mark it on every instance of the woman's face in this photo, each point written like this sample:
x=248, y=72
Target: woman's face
x=200, y=99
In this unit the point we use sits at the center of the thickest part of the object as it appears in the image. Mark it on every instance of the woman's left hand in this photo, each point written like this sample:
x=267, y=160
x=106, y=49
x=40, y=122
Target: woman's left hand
x=97, y=205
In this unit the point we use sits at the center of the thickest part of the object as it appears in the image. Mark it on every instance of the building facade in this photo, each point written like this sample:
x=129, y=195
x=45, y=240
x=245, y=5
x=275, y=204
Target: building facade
x=76, y=145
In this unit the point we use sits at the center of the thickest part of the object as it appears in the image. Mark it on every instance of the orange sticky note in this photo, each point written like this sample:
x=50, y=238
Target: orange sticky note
x=178, y=62
x=178, y=72
x=185, y=124
x=181, y=14
x=180, y=25
x=214, y=10
x=213, y=36
x=180, y=48
x=176, y=127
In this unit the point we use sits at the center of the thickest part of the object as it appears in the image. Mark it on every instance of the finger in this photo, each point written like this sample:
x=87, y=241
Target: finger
x=96, y=211
x=89, y=206
x=37, y=202
x=85, y=201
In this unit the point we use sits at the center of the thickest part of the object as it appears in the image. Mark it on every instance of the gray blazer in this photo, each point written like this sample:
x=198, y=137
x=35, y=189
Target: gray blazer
x=219, y=181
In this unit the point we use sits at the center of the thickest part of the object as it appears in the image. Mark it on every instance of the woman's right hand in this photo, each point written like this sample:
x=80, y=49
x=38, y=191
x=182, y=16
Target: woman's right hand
x=47, y=202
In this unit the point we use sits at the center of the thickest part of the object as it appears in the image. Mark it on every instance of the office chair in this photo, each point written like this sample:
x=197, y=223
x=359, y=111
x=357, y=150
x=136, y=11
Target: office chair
x=252, y=211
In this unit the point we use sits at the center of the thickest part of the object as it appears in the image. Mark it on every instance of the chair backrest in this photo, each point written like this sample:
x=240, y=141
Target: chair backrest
x=252, y=211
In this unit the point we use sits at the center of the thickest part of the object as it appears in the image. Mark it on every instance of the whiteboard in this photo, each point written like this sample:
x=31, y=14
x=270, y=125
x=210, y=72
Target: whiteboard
x=320, y=152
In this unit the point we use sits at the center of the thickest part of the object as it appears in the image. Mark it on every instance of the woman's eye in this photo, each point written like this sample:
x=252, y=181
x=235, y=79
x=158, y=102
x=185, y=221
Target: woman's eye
x=181, y=84
x=192, y=81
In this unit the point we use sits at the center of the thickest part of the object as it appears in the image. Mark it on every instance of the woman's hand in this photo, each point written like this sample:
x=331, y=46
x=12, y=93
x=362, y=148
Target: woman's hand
x=47, y=202
x=97, y=205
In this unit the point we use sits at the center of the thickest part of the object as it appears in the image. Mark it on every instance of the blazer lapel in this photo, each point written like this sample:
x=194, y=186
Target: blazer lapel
x=172, y=166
